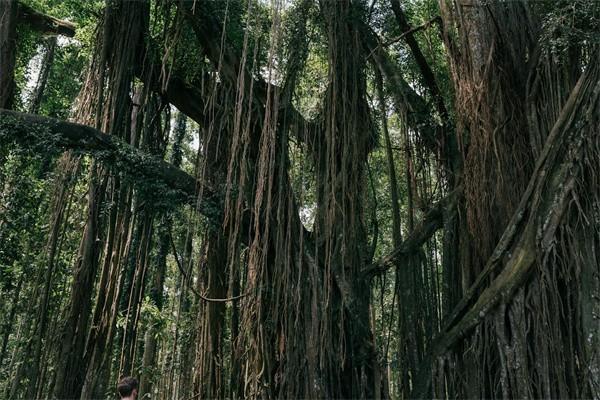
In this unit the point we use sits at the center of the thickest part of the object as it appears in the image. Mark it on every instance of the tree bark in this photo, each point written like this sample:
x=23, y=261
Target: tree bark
x=8, y=51
x=44, y=24
x=531, y=232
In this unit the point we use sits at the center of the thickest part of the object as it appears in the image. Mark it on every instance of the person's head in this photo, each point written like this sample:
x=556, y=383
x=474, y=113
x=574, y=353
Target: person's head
x=128, y=388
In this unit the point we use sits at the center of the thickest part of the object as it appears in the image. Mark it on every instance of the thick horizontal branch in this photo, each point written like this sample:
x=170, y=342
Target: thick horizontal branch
x=410, y=31
x=45, y=132
x=227, y=59
x=43, y=23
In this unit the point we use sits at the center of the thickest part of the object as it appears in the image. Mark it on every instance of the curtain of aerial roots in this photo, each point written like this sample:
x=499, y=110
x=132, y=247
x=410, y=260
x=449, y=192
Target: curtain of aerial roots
x=268, y=350
x=120, y=256
x=509, y=94
x=36, y=328
x=340, y=154
x=286, y=347
x=417, y=287
x=220, y=260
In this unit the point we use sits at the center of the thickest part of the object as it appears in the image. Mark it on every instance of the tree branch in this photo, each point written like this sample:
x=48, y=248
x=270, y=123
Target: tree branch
x=424, y=67
x=432, y=222
x=411, y=31
x=418, y=112
x=43, y=23
x=228, y=61
x=31, y=130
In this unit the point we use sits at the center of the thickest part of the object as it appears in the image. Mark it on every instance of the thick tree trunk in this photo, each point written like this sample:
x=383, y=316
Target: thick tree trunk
x=340, y=161
x=8, y=51
x=494, y=126
x=505, y=116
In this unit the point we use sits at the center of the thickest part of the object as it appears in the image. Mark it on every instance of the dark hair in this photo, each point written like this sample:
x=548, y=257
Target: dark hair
x=126, y=386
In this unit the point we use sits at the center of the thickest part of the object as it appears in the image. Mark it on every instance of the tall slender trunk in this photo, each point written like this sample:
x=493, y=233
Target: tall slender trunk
x=45, y=68
x=211, y=346
x=7, y=327
x=396, y=217
x=165, y=225
x=135, y=293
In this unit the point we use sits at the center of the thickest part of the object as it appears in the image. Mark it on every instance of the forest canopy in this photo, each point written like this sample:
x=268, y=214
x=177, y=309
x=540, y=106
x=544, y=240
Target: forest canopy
x=370, y=199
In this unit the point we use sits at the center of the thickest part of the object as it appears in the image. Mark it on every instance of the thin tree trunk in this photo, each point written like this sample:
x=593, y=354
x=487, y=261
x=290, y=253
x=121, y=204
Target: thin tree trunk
x=156, y=291
x=7, y=328
x=46, y=66
x=396, y=218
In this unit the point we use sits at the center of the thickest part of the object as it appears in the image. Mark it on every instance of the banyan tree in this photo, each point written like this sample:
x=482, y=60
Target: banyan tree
x=300, y=198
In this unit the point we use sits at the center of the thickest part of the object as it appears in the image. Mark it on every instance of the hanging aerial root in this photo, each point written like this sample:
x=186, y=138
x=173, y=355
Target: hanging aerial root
x=187, y=278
